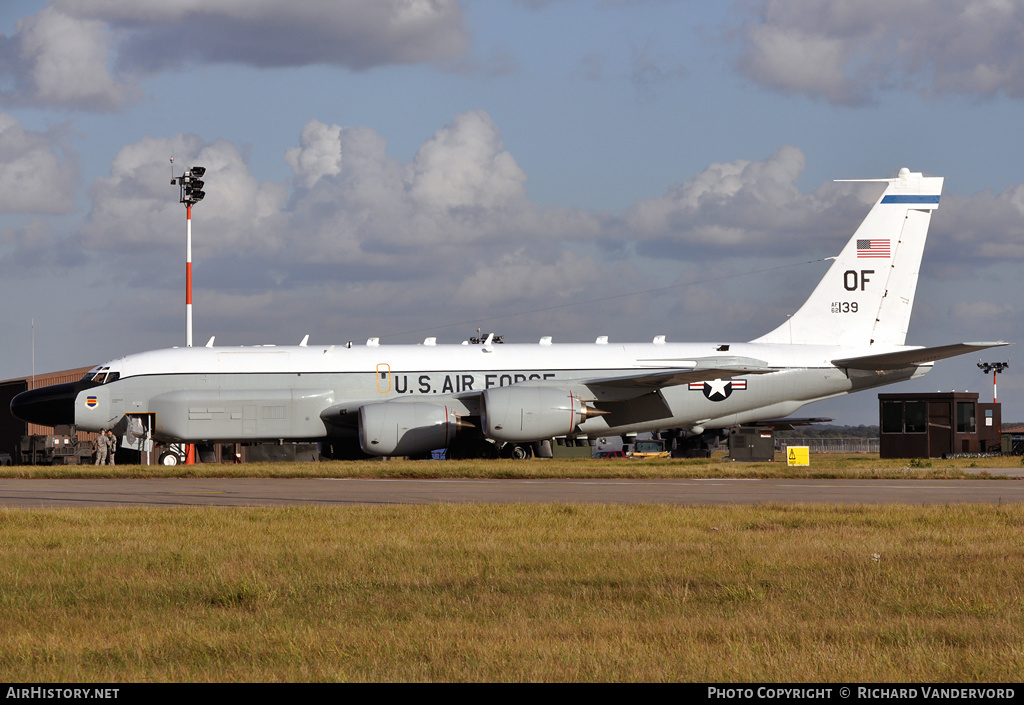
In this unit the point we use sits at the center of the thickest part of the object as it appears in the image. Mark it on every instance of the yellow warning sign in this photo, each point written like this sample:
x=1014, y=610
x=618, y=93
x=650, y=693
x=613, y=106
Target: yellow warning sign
x=799, y=455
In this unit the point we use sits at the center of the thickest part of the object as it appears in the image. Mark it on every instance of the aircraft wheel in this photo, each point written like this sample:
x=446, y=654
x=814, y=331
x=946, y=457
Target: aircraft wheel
x=520, y=452
x=169, y=458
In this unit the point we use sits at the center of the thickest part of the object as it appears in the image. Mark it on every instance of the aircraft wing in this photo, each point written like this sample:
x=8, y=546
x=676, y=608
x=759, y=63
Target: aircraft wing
x=915, y=356
x=788, y=424
x=623, y=387
x=699, y=370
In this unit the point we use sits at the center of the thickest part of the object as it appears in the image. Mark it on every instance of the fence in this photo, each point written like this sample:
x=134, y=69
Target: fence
x=833, y=445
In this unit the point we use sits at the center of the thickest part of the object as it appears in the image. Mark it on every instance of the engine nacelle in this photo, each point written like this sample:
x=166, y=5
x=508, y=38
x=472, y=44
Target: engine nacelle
x=405, y=428
x=518, y=414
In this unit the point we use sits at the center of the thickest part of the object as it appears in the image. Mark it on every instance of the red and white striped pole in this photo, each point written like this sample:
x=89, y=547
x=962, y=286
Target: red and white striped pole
x=191, y=188
x=188, y=275
x=190, y=449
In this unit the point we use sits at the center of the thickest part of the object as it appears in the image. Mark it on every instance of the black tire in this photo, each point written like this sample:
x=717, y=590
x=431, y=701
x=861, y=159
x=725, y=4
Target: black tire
x=519, y=452
x=169, y=459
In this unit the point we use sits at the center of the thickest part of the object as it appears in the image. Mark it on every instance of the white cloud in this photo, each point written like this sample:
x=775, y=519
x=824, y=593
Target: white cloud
x=984, y=227
x=34, y=248
x=981, y=311
x=62, y=56
x=351, y=33
x=460, y=201
x=466, y=166
x=845, y=51
x=38, y=174
x=459, y=209
x=517, y=276
x=788, y=60
x=58, y=61
x=318, y=155
x=461, y=191
x=366, y=244
x=747, y=204
x=136, y=207
x=450, y=234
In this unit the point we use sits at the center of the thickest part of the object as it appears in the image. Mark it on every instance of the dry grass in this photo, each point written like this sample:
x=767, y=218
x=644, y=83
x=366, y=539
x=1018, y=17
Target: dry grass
x=513, y=593
x=823, y=465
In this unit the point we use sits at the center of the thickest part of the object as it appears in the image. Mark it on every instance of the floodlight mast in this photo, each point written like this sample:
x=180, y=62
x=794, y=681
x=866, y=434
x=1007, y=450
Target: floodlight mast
x=995, y=368
x=190, y=186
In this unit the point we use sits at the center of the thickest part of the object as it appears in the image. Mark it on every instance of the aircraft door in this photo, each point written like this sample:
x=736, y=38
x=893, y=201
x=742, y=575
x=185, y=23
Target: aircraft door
x=137, y=432
x=383, y=378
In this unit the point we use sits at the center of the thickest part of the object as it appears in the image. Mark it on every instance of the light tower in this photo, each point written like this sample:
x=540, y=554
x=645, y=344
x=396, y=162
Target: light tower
x=995, y=368
x=190, y=184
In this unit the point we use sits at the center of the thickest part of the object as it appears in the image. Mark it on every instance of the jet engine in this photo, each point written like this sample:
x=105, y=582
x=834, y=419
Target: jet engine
x=518, y=414
x=406, y=428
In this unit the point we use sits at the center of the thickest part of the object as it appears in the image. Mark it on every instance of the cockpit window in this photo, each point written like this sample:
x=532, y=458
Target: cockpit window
x=101, y=376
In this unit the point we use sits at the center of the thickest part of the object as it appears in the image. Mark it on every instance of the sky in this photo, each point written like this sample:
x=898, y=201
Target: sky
x=405, y=169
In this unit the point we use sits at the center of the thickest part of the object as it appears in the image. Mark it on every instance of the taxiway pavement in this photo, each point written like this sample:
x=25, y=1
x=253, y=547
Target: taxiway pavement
x=322, y=491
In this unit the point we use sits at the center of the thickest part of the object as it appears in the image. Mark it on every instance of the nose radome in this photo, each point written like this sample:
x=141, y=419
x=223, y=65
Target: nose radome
x=47, y=406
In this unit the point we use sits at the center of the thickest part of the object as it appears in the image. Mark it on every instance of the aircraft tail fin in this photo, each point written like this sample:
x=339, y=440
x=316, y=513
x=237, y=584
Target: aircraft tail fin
x=867, y=295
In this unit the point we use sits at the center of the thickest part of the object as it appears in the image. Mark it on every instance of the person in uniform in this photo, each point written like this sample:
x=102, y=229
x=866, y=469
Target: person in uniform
x=101, y=447
x=111, y=446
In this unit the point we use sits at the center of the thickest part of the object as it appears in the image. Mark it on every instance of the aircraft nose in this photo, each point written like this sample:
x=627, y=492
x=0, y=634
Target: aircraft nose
x=47, y=406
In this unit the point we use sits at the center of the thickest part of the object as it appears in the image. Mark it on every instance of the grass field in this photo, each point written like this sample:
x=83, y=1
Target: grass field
x=516, y=592
x=513, y=593
x=823, y=465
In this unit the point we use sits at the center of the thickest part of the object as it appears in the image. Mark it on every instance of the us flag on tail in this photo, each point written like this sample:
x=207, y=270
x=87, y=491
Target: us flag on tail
x=872, y=248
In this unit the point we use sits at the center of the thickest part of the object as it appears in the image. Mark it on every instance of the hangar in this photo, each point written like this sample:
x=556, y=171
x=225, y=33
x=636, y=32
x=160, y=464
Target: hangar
x=12, y=428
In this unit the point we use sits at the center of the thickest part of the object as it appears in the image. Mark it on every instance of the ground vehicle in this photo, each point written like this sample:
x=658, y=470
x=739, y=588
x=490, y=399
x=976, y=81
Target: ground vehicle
x=62, y=447
x=611, y=454
x=652, y=448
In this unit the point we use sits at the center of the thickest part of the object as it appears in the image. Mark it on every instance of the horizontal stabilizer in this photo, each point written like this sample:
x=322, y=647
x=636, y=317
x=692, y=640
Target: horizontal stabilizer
x=912, y=356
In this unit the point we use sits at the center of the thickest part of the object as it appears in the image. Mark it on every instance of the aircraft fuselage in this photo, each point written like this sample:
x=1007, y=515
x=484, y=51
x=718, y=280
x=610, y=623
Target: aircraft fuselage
x=267, y=393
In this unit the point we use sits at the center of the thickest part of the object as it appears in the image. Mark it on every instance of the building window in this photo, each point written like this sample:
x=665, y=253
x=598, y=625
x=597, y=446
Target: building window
x=892, y=417
x=915, y=417
x=965, y=417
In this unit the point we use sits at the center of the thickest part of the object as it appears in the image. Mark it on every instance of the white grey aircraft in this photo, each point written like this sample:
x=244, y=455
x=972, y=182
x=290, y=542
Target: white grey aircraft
x=392, y=400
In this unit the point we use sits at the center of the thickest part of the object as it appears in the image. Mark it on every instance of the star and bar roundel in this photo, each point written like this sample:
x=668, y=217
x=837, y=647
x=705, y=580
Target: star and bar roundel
x=718, y=389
